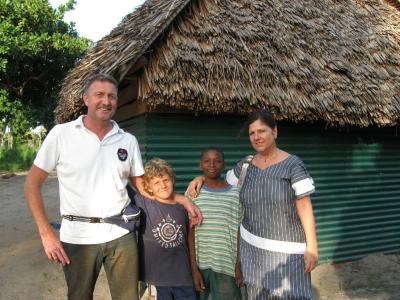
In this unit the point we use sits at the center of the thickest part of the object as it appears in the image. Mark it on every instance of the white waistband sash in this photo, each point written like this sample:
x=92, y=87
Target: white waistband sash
x=272, y=245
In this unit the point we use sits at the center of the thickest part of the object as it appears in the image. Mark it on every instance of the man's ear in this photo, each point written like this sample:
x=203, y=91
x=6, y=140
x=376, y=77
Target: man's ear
x=85, y=99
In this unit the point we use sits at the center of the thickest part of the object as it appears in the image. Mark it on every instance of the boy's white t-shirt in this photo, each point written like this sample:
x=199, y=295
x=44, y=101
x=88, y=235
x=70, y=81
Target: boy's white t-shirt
x=92, y=177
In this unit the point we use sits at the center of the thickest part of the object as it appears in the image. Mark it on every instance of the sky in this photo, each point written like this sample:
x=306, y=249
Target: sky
x=96, y=18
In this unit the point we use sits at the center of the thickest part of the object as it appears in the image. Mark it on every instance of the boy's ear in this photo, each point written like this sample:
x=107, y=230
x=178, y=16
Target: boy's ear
x=147, y=189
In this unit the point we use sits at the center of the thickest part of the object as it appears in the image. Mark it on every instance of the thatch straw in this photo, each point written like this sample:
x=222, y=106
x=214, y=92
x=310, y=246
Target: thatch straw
x=335, y=61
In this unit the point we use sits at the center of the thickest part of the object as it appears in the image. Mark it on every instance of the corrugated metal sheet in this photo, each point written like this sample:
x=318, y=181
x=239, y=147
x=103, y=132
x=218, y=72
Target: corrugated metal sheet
x=138, y=127
x=357, y=173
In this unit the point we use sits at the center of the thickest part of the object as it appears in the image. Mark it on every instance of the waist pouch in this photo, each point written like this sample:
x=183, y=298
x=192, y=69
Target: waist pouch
x=129, y=218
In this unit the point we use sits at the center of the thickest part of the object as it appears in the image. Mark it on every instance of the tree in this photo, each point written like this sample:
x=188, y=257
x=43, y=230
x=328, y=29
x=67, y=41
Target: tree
x=37, y=48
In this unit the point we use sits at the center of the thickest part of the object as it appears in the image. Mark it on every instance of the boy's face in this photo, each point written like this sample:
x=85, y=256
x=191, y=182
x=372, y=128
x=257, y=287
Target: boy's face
x=212, y=164
x=161, y=187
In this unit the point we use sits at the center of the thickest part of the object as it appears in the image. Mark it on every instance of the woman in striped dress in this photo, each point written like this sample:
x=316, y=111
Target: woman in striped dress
x=278, y=245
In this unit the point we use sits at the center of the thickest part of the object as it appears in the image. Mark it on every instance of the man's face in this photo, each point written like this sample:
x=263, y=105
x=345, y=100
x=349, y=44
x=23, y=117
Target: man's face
x=101, y=101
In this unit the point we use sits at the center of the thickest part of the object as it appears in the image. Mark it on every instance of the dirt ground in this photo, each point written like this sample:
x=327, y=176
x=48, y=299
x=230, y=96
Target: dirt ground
x=25, y=272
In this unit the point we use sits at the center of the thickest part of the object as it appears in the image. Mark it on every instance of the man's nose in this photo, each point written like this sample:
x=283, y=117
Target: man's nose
x=106, y=100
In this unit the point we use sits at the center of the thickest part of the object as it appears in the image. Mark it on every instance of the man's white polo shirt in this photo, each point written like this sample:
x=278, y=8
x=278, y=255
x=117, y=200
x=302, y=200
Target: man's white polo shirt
x=92, y=177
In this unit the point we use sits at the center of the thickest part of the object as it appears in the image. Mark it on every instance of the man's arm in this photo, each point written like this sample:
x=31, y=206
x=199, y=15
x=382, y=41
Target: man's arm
x=51, y=244
x=138, y=184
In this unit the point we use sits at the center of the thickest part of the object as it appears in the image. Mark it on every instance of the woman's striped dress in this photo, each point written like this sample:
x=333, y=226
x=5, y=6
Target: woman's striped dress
x=272, y=238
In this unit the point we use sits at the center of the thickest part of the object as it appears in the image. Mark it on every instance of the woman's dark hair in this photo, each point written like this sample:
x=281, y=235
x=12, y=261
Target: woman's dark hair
x=212, y=149
x=261, y=115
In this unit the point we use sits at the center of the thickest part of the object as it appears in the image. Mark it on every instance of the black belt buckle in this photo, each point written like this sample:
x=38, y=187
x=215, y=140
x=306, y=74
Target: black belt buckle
x=95, y=220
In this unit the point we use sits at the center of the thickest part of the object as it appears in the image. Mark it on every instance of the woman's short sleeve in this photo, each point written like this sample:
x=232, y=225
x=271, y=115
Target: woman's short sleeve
x=232, y=176
x=302, y=182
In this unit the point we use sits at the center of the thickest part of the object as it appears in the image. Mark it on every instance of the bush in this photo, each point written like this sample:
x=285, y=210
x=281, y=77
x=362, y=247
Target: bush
x=17, y=158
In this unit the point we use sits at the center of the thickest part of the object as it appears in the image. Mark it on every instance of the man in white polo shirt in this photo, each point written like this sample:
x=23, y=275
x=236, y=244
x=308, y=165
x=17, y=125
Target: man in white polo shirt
x=94, y=160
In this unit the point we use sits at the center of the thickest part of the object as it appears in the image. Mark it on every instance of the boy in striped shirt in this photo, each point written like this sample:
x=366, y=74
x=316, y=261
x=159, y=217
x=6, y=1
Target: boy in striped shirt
x=213, y=244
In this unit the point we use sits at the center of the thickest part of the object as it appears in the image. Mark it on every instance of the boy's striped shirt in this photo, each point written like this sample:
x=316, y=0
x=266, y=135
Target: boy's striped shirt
x=216, y=237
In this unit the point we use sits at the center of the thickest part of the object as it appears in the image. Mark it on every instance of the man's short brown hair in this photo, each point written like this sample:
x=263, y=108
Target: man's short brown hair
x=99, y=77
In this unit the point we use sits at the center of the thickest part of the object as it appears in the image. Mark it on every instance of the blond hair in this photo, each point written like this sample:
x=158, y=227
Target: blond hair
x=156, y=167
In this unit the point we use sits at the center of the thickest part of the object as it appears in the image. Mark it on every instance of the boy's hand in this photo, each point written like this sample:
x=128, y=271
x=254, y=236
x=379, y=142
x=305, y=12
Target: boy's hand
x=194, y=187
x=194, y=212
x=196, y=217
x=238, y=275
x=198, y=280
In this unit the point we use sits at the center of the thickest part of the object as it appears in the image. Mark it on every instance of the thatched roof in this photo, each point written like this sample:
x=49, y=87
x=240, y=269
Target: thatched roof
x=335, y=61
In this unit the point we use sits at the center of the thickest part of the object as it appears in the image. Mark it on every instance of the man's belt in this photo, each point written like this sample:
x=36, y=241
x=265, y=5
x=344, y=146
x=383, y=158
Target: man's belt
x=128, y=218
x=83, y=219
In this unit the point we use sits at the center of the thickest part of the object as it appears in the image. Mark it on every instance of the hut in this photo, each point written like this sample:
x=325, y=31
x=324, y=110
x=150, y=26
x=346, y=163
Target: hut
x=329, y=71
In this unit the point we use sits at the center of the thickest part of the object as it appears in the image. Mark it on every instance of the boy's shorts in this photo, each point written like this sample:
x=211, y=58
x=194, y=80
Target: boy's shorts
x=175, y=293
x=219, y=286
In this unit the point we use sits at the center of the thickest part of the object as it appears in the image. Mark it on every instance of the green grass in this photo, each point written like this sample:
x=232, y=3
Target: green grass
x=19, y=158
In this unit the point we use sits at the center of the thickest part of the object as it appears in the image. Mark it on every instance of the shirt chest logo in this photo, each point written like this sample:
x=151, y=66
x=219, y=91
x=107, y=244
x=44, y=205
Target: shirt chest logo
x=167, y=233
x=122, y=154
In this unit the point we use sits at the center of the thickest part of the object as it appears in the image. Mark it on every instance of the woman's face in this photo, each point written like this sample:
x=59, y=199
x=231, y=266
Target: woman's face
x=262, y=137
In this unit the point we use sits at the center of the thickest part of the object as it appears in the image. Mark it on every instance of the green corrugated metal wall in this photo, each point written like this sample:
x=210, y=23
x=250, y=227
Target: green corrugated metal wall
x=356, y=172
x=137, y=126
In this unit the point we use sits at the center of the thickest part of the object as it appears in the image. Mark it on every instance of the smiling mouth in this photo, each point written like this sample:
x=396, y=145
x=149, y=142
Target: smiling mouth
x=105, y=108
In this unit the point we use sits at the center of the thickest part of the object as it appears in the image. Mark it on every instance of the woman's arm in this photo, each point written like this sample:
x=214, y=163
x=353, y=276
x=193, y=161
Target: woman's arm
x=306, y=215
x=196, y=275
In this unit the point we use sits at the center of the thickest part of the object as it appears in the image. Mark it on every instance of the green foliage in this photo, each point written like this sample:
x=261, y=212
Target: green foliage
x=18, y=158
x=37, y=48
x=13, y=113
x=18, y=152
